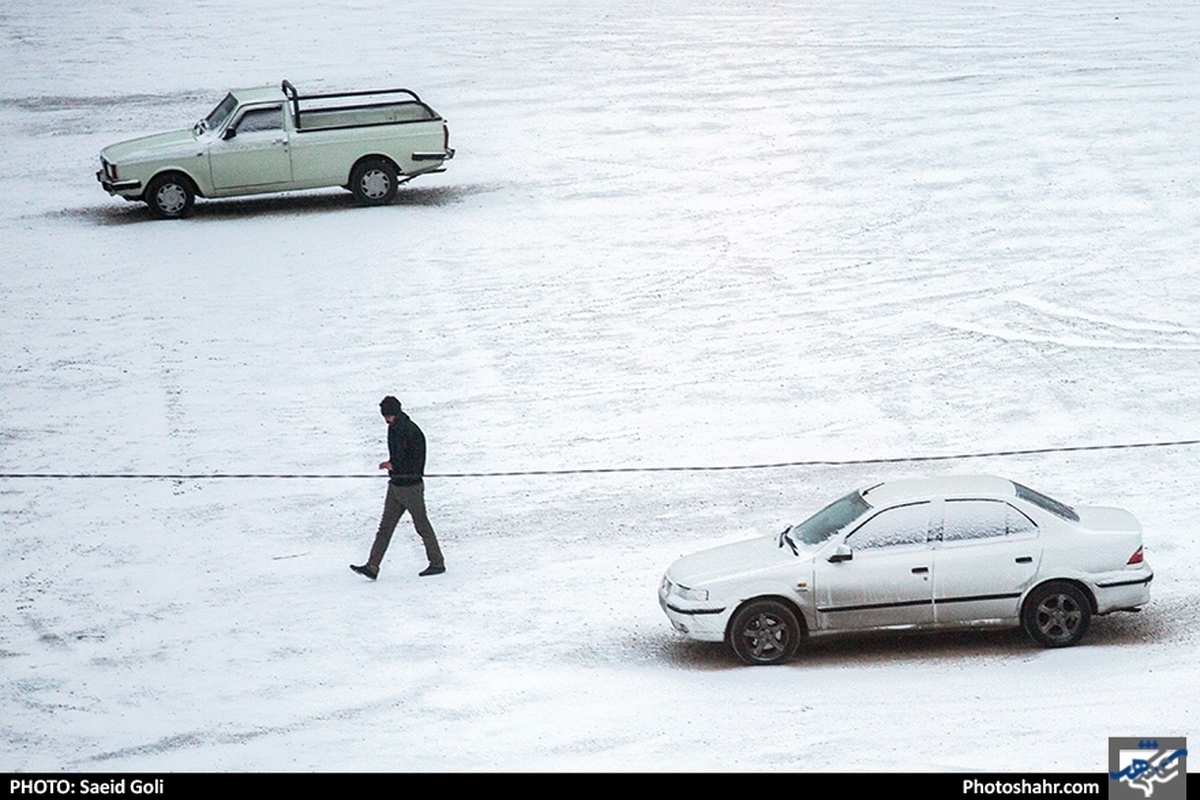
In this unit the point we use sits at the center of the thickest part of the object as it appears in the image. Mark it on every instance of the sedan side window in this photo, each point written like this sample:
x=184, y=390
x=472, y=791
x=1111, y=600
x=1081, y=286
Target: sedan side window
x=261, y=119
x=901, y=525
x=1018, y=523
x=968, y=520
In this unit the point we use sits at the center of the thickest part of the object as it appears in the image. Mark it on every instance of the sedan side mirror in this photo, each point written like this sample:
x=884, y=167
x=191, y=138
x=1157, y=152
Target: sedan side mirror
x=229, y=133
x=842, y=553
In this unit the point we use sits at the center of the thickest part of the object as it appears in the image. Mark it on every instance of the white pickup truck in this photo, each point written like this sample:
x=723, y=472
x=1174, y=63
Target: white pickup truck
x=271, y=139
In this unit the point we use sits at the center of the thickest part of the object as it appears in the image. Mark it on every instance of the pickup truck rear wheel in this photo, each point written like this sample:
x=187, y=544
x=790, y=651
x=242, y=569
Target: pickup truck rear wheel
x=170, y=196
x=374, y=182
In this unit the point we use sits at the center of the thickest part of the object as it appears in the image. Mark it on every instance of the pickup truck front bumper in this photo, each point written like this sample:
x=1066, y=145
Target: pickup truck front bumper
x=117, y=187
x=435, y=155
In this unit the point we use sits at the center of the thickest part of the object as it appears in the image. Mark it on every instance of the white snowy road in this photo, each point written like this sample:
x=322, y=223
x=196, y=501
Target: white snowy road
x=675, y=234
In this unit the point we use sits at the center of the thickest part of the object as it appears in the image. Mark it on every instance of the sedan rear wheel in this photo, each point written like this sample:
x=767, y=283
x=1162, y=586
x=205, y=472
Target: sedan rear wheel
x=1056, y=614
x=764, y=632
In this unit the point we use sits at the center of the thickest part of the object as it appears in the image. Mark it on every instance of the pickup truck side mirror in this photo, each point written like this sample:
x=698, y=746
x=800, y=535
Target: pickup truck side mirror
x=842, y=553
x=229, y=133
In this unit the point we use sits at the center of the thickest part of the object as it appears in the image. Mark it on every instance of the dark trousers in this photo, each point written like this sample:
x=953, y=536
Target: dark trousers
x=399, y=499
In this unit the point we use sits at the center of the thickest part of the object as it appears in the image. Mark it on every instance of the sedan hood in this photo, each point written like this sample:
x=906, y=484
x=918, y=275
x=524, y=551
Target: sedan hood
x=148, y=147
x=728, y=561
x=1114, y=520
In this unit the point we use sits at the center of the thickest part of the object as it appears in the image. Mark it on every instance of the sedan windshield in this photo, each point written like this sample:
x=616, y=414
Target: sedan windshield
x=218, y=115
x=829, y=520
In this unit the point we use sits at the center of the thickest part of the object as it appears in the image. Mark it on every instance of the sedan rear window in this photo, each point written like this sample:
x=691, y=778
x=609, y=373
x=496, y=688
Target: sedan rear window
x=1047, y=503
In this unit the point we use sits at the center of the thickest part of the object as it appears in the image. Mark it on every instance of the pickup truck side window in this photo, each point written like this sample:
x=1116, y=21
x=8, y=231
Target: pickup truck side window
x=261, y=119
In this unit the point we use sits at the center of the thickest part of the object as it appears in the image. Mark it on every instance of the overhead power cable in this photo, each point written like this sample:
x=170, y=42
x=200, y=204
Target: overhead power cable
x=845, y=462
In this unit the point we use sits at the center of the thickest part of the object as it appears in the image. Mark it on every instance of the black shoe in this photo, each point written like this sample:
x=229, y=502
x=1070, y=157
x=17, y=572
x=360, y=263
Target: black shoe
x=366, y=570
x=432, y=570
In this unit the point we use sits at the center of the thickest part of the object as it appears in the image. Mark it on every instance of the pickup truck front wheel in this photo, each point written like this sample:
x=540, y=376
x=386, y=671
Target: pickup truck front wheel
x=374, y=182
x=170, y=196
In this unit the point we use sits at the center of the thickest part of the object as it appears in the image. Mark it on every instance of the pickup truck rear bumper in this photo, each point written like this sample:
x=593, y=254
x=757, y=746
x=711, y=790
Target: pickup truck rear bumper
x=435, y=155
x=113, y=187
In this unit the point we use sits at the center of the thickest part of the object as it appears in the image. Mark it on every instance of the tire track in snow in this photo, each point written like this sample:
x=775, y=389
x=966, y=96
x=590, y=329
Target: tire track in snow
x=1036, y=321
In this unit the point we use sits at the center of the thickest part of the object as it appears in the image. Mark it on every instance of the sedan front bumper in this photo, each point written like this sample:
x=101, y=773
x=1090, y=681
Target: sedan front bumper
x=705, y=624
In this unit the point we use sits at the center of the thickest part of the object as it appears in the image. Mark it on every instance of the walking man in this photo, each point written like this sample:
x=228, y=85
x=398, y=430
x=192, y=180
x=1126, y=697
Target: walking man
x=406, y=490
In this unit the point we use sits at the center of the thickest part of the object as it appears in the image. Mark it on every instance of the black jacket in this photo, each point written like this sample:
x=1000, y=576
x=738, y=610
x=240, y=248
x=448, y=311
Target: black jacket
x=406, y=451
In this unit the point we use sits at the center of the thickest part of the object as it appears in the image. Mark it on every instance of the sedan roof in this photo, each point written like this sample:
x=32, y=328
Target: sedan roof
x=908, y=489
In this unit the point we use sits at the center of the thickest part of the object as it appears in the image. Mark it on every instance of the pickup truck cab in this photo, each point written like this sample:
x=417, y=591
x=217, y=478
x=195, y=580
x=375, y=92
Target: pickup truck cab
x=270, y=139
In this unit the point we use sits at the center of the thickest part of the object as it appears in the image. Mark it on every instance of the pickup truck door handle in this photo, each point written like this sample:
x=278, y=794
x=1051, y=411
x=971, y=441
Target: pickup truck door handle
x=1024, y=559
x=279, y=141
x=920, y=570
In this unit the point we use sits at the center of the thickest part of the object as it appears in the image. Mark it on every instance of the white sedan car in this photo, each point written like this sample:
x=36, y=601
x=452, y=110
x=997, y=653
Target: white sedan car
x=918, y=553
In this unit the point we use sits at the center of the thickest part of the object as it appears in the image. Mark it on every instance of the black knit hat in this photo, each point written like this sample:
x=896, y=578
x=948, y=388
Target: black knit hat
x=389, y=406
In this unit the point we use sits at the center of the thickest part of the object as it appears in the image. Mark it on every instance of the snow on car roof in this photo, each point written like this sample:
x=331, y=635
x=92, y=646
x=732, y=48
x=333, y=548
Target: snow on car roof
x=257, y=94
x=946, y=486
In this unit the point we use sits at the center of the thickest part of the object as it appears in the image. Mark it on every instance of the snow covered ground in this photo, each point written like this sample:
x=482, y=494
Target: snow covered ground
x=677, y=233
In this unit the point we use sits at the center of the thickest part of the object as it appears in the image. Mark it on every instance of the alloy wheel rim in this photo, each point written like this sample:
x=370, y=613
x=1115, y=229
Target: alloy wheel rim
x=765, y=634
x=1058, y=617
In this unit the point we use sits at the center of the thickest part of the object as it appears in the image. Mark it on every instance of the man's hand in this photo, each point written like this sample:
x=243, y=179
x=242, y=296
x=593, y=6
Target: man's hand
x=385, y=465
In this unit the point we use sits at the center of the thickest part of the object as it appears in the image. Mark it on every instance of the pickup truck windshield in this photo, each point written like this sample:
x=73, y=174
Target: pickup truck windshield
x=218, y=115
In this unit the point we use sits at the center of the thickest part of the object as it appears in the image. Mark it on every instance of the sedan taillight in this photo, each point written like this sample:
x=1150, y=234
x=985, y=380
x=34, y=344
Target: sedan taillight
x=1136, y=558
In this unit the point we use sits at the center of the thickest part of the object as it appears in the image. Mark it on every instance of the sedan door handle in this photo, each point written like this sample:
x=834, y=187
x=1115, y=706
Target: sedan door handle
x=1024, y=559
x=920, y=570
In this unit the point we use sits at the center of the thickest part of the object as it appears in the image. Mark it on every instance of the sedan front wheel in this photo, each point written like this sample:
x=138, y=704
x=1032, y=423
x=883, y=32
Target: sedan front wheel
x=764, y=632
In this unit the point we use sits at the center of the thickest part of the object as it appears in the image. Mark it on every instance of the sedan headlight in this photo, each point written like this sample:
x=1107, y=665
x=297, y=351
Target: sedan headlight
x=690, y=594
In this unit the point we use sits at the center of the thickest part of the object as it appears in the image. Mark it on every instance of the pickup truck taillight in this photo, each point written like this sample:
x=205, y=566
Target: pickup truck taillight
x=445, y=136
